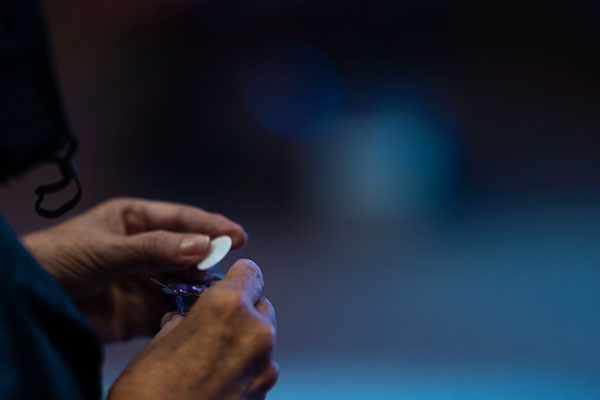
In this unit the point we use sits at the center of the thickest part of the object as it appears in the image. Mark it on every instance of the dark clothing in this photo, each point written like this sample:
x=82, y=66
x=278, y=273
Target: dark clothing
x=32, y=124
x=47, y=349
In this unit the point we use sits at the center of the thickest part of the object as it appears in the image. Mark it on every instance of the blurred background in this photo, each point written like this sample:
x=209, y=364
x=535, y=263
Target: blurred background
x=419, y=180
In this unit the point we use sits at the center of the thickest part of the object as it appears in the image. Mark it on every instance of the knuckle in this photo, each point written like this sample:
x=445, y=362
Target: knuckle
x=250, y=268
x=150, y=244
x=272, y=376
x=265, y=381
x=152, y=241
x=269, y=305
x=131, y=214
x=264, y=336
x=267, y=310
x=231, y=298
x=225, y=301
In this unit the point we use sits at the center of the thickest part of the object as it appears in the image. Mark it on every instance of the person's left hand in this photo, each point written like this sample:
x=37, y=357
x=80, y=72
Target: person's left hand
x=104, y=258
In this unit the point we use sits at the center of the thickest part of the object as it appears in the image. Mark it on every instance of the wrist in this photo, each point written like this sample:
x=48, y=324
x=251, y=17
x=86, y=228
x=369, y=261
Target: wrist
x=35, y=244
x=147, y=387
x=41, y=246
x=171, y=379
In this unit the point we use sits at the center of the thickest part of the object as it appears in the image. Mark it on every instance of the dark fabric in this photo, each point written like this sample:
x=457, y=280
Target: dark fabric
x=32, y=124
x=47, y=349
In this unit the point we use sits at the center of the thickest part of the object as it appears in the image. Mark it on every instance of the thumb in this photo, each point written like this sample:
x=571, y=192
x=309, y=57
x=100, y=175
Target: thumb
x=159, y=250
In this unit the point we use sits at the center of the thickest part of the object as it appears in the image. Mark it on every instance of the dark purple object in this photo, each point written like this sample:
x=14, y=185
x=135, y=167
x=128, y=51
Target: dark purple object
x=186, y=294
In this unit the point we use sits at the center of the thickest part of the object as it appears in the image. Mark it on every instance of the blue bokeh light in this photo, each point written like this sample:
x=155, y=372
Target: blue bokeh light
x=378, y=379
x=395, y=160
x=292, y=91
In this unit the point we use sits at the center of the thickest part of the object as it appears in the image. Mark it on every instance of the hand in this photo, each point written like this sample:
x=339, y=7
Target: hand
x=104, y=258
x=220, y=350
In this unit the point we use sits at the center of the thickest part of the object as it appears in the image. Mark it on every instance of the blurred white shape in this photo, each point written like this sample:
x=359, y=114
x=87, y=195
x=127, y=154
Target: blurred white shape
x=219, y=247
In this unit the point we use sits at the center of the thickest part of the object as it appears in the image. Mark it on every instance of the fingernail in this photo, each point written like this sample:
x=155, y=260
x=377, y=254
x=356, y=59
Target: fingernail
x=194, y=245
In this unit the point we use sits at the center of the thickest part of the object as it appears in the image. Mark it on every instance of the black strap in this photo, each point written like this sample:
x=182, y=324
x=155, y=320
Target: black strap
x=68, y=173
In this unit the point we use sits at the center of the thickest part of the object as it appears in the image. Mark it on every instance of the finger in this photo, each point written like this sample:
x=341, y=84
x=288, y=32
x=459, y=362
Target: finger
x=263, y=382
x=171, y=320
x=266, y=309
x=167, y=317
x=161, y=250
x=244, y=276
x=146, y=215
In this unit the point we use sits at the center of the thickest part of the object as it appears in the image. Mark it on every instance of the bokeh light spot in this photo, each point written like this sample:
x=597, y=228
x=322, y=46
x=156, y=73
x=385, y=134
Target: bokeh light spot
x=292, y=91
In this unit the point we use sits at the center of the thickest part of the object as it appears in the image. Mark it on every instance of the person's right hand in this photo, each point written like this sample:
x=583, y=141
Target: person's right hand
x=222, y=349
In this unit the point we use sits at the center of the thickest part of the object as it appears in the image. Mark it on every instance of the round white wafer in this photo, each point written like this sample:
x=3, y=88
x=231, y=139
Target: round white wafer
x=219, y=247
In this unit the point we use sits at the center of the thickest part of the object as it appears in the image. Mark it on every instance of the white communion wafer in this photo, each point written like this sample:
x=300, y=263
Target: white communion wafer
x=219, y=247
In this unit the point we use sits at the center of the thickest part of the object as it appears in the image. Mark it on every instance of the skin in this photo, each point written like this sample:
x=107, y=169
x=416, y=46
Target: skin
x=104, y=258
